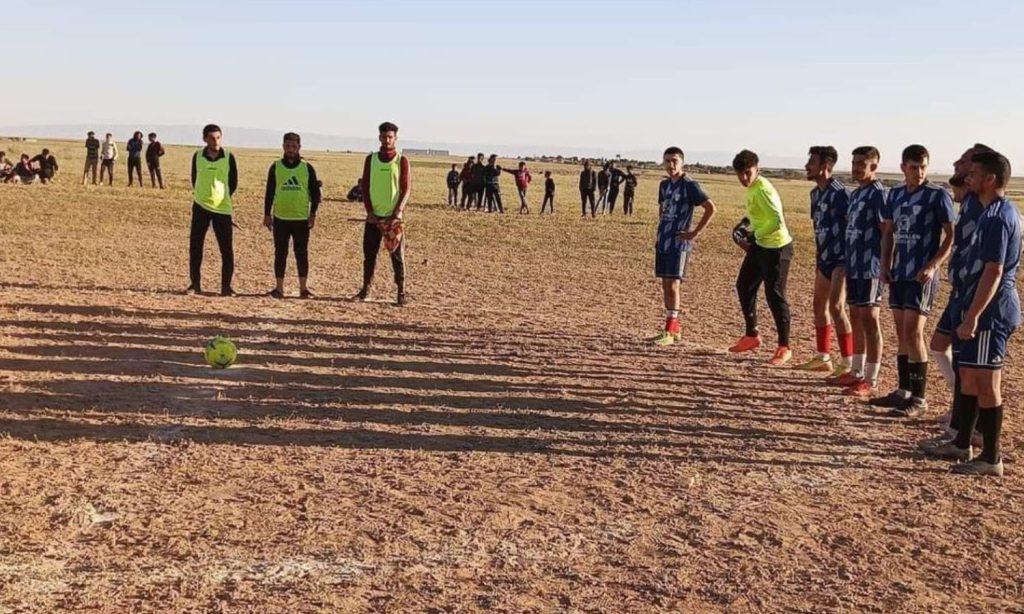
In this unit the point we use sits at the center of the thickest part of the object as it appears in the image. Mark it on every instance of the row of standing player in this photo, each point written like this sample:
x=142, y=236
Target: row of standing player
x=481, y=187
x=867, y=239
x=103, y=155
x=290, y=206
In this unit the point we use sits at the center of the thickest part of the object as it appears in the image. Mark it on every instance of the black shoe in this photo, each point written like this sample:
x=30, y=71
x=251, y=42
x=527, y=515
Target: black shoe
x=891, y=400
x=275, y=293
x=227, y=292
x=911, y=408
x=402, y=300
x=193, y=290
x=362, y=295
x=306, y=294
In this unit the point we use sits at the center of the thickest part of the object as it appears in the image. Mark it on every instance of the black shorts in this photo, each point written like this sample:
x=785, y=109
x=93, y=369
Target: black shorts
x=913, y=295
x=864, y=292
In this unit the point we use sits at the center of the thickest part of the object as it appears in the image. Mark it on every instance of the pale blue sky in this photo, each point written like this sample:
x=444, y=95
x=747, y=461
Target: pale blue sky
x=709, y=76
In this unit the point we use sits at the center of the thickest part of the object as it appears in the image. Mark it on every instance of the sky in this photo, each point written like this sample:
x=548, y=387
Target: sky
x=633, y=76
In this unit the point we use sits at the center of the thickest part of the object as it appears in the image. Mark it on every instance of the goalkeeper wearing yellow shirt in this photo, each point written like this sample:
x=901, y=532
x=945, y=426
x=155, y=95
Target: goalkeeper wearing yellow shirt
x=769, y=246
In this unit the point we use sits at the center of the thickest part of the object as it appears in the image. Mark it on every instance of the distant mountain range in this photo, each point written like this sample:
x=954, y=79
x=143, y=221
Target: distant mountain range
x=263, y=138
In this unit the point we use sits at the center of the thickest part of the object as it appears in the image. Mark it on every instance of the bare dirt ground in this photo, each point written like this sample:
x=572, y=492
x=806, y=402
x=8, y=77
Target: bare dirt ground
x=506, y=443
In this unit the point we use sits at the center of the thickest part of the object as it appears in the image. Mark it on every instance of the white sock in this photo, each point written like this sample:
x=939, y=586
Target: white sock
x=857, y=364
x=672, y=314
x=871, y=372
x=944, y=361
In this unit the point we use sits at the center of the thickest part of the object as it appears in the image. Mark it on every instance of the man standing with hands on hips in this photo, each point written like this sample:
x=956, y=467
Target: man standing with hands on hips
x=386, y=178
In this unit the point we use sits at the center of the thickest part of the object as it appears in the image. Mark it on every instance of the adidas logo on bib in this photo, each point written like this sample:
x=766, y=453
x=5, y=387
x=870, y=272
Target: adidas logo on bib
x=292, y=184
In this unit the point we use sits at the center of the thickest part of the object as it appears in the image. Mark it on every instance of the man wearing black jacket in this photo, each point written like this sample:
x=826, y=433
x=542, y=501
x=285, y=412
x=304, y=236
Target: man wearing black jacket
x=615, y=179
x=588, y=184
x=289, y=211
x=630, y=191
x=492, y=173
x=153, y=153
x=479, y=181
x=46, y=165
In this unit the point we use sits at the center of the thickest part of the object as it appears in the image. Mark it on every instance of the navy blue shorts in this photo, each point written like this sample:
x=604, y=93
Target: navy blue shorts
x=949, y=319
x=987, y=350
x=864, y=292
x=671, y=265
x=913, y=295
x=827, y=268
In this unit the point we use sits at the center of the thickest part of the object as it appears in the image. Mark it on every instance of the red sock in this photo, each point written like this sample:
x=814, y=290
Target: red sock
x=824, y=335
x=672, y=325
x=846, y=344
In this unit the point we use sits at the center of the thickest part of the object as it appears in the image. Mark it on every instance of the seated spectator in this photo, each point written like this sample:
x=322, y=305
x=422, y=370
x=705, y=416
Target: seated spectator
x=6, y=170
x=46, y=166
x=23, y=171
x=356, y=193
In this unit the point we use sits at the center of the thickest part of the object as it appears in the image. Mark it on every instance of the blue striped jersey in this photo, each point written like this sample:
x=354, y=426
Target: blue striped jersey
x=677, y=200
x=998, y=240
x=864, y=232
x=917, y=218
x=828, y=212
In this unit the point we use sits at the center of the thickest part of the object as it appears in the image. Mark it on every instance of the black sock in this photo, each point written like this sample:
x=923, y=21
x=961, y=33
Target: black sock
x=968, y=420
x=990, y=423
x=902, y=362
x=955, y=411
x=917, y=378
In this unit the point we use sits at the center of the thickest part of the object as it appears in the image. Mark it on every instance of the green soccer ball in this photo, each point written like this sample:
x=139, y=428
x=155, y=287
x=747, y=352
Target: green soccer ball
x=220, y=352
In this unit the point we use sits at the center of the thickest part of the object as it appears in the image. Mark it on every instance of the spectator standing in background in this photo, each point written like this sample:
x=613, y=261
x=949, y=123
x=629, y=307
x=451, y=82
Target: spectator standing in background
x=154, y=151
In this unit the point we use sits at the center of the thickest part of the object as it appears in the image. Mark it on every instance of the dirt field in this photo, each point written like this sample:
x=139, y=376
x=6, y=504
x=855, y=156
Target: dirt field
x=508, y=442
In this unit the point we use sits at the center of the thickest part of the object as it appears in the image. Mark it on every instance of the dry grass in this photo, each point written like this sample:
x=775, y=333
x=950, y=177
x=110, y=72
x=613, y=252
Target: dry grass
x=507, y=443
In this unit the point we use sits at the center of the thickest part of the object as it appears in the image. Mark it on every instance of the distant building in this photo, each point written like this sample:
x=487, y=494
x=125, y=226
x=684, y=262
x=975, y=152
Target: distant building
x=425, y=152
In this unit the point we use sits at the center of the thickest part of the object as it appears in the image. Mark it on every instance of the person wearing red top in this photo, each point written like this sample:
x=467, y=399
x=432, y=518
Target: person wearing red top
x=523, y=179
x=373, y=231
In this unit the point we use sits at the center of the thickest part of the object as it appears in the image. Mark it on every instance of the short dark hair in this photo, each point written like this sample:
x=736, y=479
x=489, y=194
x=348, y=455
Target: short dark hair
x=387, y=127
x=824, y=153
x=994, y=163
x=744, y=160
x=674, y=151
x=980, y=147
x=868, y=151
x=210, y=128
x=292, y=136
x=453, y=166
x=915, y=153
x=46, y=151
x=470, y=159
x=90, y=133
x=152, y=135
x=521, y=163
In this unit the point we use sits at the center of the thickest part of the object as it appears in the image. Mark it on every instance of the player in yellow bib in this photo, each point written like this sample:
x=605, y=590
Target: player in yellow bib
x=214, y=181
x=386, y=181
x=289, y=211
